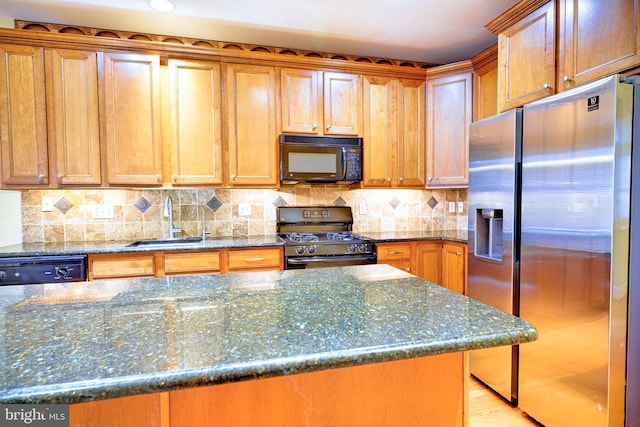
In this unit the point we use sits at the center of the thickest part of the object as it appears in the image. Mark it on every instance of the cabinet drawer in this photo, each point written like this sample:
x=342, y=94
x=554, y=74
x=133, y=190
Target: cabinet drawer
x=394, y=251
x=105, y=267
x=199, y=262
x=259, y=259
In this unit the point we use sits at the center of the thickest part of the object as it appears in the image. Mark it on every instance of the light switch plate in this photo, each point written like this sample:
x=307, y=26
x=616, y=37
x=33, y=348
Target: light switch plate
x=47, y=204
x=103, y=212
x=452, y=207
x=460, y=207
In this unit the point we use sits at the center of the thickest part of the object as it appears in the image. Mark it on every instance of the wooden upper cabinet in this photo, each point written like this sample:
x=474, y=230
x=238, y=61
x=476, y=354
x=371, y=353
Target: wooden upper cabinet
x=526, y=58
x=379, y=131
x=342, y=104
x=301, y=97
x=449, y=101
x=251, y=114
x=485, y=83
x=132, y=119
x=393, y=132
x=411, y=144
x=74, y=124
x=597, y=39
x=195, y=130
x=23, y=117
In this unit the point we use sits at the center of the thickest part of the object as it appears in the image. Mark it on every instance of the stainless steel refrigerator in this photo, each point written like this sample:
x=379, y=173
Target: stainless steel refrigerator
x=549, y=237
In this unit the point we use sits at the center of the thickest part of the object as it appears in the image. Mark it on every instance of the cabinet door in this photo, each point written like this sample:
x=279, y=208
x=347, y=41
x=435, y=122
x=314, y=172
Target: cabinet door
x=132, y=119
x=454, y=267
x=448, y=116
x=379, y=132
x=342, y=104
x=75, y=126
x=429, y=261
x=251, y=108
x=411, y=143
x=526, y=54
x=300, y=101
x=597, y=39
x=191, y=262
x=195, y=134
x=23, y=117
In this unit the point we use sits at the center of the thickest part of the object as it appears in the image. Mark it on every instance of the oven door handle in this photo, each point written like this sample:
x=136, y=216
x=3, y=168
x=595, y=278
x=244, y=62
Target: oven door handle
x=317, y=259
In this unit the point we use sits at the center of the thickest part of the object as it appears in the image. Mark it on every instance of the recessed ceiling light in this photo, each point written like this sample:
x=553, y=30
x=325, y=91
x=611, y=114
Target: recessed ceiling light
x=162, y=5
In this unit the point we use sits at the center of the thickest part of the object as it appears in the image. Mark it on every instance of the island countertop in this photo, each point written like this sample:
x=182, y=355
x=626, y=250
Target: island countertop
x=84, y=341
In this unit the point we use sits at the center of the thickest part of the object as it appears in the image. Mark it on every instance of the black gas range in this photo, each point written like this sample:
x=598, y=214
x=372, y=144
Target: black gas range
x=321, y=237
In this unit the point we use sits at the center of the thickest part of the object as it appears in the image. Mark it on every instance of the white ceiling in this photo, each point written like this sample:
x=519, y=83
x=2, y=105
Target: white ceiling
x=433, y=31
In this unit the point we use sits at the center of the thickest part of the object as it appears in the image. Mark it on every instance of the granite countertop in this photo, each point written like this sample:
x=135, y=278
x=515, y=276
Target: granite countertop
x=83, y=248
x=83, y=341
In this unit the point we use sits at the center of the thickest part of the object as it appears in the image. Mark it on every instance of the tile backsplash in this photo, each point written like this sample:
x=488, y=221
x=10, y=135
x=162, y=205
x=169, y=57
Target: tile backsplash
x=75, y=215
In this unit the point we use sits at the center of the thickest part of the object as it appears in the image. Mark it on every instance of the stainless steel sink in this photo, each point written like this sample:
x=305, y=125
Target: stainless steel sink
x=167, y=243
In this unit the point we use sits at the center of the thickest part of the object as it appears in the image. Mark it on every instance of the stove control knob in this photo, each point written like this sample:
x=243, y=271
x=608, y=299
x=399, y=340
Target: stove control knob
x=300, y=250
x=62, y=272
x=351, y=248
x=3, y=275
x=311, y=250
x=362, y=247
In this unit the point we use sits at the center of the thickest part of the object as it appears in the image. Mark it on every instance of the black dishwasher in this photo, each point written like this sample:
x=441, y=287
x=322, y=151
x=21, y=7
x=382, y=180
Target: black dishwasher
x=43, y=269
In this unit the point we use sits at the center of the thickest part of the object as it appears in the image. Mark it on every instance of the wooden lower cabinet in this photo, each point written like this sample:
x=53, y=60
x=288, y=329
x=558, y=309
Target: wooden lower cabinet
x=111, y=266
x=454, y=266
x=165, y=263
x=255, y=259
x=443, y=263
x=413, y=392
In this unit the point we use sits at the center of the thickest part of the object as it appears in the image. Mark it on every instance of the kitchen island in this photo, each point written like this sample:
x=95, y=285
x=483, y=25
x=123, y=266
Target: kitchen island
x=331, y=346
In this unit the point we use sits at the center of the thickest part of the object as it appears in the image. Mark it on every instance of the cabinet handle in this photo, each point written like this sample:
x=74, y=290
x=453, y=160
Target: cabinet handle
x=158, y=177
x=315, y=127
x=388, y=179
x=408, y=269
x=458, y=253
x=254, y=259
x=429, y=178
x=233, y=177
x=59, y=176
x=395, y=252
x=400, y=179
x=546, y=86
x=328, y=127
x=41, y=177
x=174, y=177
x=566, y=79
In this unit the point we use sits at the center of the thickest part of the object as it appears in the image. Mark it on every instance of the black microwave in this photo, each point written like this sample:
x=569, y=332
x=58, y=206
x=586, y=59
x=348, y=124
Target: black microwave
x=320, y=159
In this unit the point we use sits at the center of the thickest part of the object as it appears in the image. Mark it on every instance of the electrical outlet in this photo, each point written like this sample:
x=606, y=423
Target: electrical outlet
x=47, y=204
x=363, y=208
x=103, y=212
x=244, y=209
x=452, y=207
x=460, y=207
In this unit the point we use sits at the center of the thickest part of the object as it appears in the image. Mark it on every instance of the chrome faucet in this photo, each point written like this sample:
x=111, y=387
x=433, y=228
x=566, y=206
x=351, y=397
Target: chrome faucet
x=168, y=205
x=204, y=230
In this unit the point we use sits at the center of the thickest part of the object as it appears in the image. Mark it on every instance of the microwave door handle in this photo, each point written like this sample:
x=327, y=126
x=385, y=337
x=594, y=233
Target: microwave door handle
x=344, y=162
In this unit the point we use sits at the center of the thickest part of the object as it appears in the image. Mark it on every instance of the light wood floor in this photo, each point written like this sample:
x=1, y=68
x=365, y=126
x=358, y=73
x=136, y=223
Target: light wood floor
x=487, y=409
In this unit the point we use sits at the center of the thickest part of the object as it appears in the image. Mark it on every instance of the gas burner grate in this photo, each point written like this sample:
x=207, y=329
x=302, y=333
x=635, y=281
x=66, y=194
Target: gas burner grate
x=301, y=237
x=344, y=235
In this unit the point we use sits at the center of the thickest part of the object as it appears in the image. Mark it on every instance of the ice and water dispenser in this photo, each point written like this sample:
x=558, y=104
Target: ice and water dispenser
x=488, y=237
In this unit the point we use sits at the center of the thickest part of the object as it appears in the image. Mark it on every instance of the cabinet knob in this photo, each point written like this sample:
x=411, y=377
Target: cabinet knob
x=59, y=176
x=458, y=253
x=408, y=269
x=328, y=127
x=429, y=178
x=400, y=179
x=566, y=79
x=315, y=127
x=233, y=177
x=546, y=86
x=388, y=179
x=158, y=177
x=174, y=177
x=41, y=177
